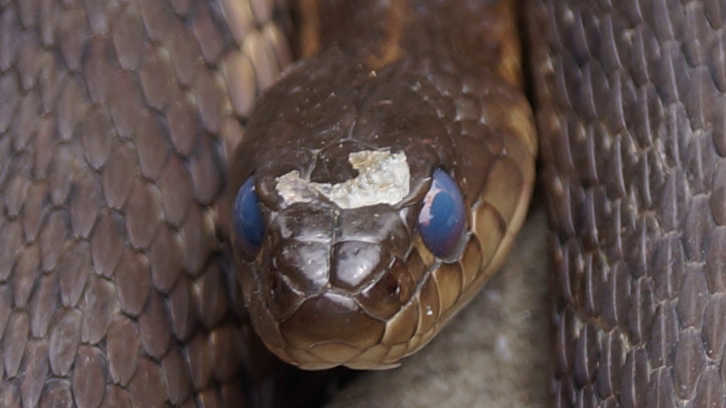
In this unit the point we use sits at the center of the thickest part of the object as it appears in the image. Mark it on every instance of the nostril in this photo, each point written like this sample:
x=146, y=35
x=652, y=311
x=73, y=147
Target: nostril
x=385, y=297
x=393, y=287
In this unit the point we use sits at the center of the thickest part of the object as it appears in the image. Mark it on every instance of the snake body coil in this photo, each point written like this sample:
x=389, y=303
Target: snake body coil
x=630, y=102
x=116, y=121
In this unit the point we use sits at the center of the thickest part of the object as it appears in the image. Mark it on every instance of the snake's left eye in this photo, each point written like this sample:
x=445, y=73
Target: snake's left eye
x=249, y=227
x=442, y=218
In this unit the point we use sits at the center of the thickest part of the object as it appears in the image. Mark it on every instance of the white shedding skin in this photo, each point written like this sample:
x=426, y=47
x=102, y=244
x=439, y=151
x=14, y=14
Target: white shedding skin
x=383, y=178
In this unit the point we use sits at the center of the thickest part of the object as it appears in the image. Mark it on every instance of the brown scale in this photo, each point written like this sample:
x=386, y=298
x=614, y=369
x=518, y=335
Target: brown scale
x=630, y=101
x=116, y=120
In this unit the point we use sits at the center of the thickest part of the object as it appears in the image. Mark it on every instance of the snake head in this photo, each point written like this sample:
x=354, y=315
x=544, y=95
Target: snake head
x=350, y=182
x=334, y=272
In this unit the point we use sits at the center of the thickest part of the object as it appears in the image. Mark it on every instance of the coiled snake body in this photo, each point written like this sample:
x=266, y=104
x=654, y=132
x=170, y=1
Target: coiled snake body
x=117, y=120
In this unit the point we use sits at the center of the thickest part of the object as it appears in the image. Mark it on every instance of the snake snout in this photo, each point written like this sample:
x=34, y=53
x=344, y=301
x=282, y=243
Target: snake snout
x=338, y=287
x=333, y=326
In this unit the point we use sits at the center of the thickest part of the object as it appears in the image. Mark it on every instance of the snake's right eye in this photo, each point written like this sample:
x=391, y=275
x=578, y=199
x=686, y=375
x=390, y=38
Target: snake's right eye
x=249, y=227
x=442, y=219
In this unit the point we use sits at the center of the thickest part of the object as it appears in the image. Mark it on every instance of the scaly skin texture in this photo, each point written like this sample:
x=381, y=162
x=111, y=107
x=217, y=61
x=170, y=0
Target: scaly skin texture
x=79, y=319
x=116, y=119
x=630, y=106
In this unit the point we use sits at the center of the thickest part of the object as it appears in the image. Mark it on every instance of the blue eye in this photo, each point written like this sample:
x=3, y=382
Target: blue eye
x=247, y=218
x=442, y=219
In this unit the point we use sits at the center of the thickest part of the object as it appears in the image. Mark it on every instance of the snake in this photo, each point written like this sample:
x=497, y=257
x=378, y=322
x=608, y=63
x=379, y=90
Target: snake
x=376, y=195
x=133, y=268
